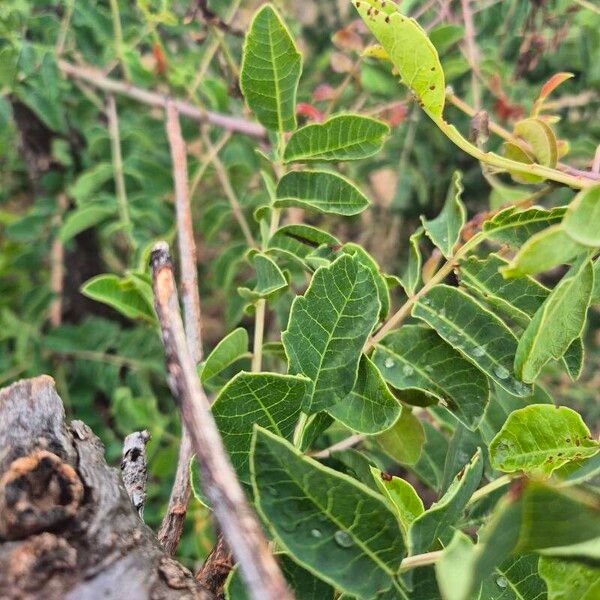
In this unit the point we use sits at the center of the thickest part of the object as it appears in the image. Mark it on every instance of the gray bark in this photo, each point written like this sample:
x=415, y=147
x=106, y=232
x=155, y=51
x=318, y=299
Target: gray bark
x=67, y=526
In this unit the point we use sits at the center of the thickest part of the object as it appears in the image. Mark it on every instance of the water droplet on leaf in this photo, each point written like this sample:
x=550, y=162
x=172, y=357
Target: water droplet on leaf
x=478, y=351
x=501, y=582
x=316, y=533
x=343, y=539
x=501, y=372
x=407, y=370
x=389, y=363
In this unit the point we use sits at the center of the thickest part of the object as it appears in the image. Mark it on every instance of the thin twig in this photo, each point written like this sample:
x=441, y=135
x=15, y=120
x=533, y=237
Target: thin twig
x=97, y=79
x=210, y=52
x=472, y=52
x=117, y=160
x=64, y=28
x=240, y=526
x=420, y=560
x=118, y=35
x=208, y=158
x=171, y=527
x=344, y=444
x=57, y=266
x=228, y=189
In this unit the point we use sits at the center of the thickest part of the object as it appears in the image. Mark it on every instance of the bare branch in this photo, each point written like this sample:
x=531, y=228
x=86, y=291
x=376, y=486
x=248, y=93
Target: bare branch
x=57, y=267
x=97, y=79
x=171, y=527
x=240, y=527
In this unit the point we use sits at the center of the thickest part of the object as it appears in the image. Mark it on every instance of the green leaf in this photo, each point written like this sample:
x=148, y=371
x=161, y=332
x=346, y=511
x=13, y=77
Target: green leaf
x=582, y=219
x=323, y=191
x=502, y=404
x=300, y=240
x=596, y=290
x=517, y=153
x=539, y=439
x=83, y=218
x=229, y=350
x=543, y=251
x=370, y=407
x=444, y=230
x=333, y=526
x=304, y=584
x=517, y=578
x=270, y=400
x=342, y=137
x=402, y=496
x=570, y=580
x=538, y=134
x=437, y=523
x=557, y=323
x=121, y=294
x=411, y=280
x=573, y=359
x=410, y=51
x=271, y=66
x=404, y=441
x=479, y=335
x=415, y=357
x=535, y=516
x=518, y=298
x=514, y=227
x=269, y=279
x=383, y=290
x=453, y=569
x=443, y=37
x=328, y=328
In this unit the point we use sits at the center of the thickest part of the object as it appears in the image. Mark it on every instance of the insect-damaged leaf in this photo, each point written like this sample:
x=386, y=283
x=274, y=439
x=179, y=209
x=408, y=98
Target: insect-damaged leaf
x=342, y=137
x=332, y=524
x=415, y=357
x=270, y=400
x=323, y=191
x=539, y=439
x=271, y=66
x=479, y=335
x=328, y=327
x=410, y=51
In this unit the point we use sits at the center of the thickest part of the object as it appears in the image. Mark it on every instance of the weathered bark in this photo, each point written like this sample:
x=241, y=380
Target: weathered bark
x=67, y=527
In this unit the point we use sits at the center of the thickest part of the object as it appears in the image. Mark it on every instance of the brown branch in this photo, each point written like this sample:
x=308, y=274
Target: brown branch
x=240, y=527
x=171, y=527
x=97, y=79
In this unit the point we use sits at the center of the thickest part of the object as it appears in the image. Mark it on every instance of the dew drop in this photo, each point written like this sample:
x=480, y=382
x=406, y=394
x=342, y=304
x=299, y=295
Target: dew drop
x=501, y=372
x=407, y=370
x=343, y=539
x=273, y=491
x=316, y=533
x=478, y=351
x=442, y=312
x=501, y=582
x=429, y=369
x=389, y=363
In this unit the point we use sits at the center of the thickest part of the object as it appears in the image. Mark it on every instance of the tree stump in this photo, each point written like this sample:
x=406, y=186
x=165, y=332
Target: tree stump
x=67, y=526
